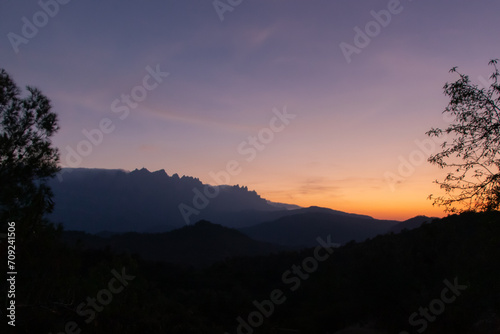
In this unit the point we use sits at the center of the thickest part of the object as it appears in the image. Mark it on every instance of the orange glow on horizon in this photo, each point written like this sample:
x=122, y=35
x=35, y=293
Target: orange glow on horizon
x=400, y=205
x=400, y=212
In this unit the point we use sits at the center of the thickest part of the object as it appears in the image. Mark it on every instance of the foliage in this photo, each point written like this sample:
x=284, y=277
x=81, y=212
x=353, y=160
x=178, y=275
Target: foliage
x=27, y=158
x=473, y=150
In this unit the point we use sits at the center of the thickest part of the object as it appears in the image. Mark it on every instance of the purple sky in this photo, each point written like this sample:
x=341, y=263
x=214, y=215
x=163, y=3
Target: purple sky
x=355, y=120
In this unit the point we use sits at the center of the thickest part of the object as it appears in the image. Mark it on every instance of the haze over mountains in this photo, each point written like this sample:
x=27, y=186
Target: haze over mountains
x=116, y=201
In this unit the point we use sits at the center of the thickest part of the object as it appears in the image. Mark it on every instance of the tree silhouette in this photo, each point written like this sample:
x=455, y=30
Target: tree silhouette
x=27, y=158
x=472, y=146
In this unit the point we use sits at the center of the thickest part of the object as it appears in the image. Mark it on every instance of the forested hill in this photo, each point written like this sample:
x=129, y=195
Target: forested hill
x=196, y=245
x=385, y=284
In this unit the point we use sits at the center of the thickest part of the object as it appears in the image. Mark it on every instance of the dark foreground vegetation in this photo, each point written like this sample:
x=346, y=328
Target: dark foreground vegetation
x=378, y=283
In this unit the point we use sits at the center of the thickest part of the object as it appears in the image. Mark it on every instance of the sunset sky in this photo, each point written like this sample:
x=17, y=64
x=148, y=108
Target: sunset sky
x=356, y=113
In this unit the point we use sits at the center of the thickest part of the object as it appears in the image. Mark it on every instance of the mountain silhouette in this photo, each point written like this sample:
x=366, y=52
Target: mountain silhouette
x=196, y=245
x=95, y=200
x=108, y=202
x=411, y=223
x=302, y=227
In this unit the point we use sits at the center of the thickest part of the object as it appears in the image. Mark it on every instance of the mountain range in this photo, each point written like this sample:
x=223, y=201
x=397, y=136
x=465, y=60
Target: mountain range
x=95, y=200
x=108, y=202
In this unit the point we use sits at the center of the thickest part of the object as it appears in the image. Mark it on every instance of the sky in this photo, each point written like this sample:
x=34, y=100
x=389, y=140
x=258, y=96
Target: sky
x=306, y=102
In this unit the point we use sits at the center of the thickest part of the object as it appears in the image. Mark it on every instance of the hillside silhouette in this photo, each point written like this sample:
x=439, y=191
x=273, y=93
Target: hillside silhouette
x=375, y=285
x=301, y=227
x=196, y=245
